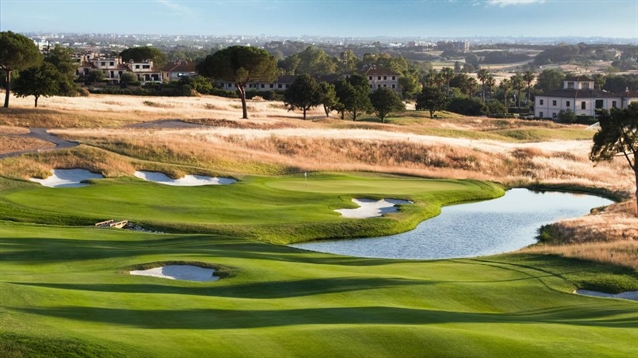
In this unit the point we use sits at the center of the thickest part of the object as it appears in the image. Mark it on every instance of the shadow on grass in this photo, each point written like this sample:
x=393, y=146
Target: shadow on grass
x=56, y=250
x=256, y=290
x=242, y=319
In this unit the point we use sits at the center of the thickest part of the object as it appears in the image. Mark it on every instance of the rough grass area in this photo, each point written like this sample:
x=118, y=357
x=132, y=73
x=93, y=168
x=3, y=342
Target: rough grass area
x=61, y=294
x=12, y=143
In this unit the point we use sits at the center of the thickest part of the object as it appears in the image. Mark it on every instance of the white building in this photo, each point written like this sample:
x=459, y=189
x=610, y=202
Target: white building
x=579, y=96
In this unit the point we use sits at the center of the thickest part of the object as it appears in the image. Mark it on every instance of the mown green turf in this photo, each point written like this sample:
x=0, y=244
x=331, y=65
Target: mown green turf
x=64, y=292
x=257, y=207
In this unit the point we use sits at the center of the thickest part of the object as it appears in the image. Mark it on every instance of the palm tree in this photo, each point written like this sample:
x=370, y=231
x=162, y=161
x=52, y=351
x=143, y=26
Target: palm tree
x=518, y=84
x=506, y=86
x=490, y=82
x=447, y=74
x=482, y=75
x=529, y=77
x=599, y=81
x=472, y=85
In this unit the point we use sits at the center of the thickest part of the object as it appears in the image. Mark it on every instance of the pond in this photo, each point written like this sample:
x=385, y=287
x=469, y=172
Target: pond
x=481, y=228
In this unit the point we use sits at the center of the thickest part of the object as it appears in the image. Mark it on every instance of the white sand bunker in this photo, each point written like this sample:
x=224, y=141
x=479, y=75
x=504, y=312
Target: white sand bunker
x=67, y=178
x=179, y=272
x=188, y=180
x=369, y=208
x=629, y=295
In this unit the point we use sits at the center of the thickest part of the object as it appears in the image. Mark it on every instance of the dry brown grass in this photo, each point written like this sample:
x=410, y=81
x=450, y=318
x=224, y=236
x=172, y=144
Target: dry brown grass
x=12, y=143
x=623, y=253
x=4, y=130
x=274, y=141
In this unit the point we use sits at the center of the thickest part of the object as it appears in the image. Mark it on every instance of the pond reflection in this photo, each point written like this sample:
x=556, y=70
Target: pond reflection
x=467, y=230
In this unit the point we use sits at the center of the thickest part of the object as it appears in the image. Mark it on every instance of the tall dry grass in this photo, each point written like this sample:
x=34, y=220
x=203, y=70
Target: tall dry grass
x=12, y=143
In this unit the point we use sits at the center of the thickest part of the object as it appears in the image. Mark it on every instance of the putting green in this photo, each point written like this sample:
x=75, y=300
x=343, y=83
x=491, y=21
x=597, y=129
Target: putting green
x=367, y=185
x=266, y=208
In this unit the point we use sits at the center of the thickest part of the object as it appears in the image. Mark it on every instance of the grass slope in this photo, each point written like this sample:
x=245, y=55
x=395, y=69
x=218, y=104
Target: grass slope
x=63, y=292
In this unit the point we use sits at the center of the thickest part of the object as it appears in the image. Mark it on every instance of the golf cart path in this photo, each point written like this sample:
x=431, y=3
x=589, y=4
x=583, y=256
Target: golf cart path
x=42, y=134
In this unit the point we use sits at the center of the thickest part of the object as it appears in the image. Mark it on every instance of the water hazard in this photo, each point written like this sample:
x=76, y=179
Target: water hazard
x=468, y=230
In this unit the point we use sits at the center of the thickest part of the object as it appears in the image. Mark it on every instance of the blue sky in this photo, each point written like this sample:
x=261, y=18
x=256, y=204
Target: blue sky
x=339, y=18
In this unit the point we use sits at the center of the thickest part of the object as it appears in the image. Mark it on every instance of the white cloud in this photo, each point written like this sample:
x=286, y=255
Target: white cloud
x=174, y=6
x=503, y=3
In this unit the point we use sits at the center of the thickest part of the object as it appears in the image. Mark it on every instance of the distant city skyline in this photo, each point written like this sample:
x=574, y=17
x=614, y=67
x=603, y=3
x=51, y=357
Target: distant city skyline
x=330, y=18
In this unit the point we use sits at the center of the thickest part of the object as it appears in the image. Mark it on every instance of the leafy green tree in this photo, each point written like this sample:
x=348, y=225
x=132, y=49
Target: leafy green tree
x=384, y=101
x=303, y=93
x=62, y=59
x=550, y=80
x=409, y=83
x=240, y=65
x=328, y=96
x=41, y=81
x=466, y=106
x=17, y=53
x=618, y=136
x=199, y=83
x=128, y=79
x=567, y=116
x=473, y=60
x=431, y=99
x=344, y=91
x=95, y=76
x=139, y=54
x=348, y=62
x=359, y=102
x=315, y=61
x=495, y=107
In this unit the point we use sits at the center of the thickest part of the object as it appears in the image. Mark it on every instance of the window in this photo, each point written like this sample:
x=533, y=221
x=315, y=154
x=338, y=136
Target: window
x=103, y=63
x=393, y=78
x=583, y=105
x=263, y=85
x=370, y=78
x=272, y=86
x=379, y=78
x=137, y=67
x=567, y=103
x=553, y=115
x=111, y=63
x=585, y=85
x=553, y=102
x=146, y=66
x=599, y=103
x=570, y=85
x=394, y=86
x=540, y=114
x=613, y=104
x=385, y=85
x=385, y=78
x=279, y=85
x=540, y=102
x=287, y=86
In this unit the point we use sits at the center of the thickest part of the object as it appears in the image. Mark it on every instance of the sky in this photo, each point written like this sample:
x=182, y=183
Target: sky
x=334, y=18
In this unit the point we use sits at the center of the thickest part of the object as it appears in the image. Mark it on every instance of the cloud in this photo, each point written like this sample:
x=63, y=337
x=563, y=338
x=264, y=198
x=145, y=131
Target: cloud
x=503, y=3
x=174, y=6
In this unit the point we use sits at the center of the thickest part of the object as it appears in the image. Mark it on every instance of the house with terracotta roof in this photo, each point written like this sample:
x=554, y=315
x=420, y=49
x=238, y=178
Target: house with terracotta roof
x=177, y=70
x=114, y=67
x=579, y=96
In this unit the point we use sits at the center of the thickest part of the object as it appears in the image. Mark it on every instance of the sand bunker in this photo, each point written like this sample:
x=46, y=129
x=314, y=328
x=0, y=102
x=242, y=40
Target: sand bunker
x=179, y=272
x=629, y=295
x=67, y=178
x=188, y=180
x=372, y=208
